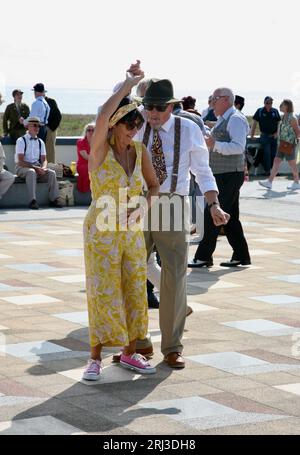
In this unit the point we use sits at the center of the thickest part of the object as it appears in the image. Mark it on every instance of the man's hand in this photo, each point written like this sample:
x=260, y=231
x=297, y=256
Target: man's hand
x=40, y=171
x=218, y=215
x=210, y=142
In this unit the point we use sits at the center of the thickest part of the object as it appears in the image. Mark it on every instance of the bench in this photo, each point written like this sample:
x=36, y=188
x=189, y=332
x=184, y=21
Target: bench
x=17, y=195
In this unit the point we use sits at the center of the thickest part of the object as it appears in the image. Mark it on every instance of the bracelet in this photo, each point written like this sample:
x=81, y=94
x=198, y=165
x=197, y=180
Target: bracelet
x=213, y=203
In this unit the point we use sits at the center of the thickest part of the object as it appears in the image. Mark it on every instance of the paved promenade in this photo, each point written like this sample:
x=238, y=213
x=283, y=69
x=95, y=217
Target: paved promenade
x=242, y=343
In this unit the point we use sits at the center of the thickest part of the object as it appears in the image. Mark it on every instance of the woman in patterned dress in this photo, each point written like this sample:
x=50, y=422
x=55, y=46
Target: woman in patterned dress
x=115, y=258
x=288, y=131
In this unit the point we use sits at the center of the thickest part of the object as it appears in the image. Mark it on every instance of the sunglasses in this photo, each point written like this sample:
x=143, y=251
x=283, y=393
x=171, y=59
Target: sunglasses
x=35, y=125
x=157, y=107
x=130, y=125
x=90, y=130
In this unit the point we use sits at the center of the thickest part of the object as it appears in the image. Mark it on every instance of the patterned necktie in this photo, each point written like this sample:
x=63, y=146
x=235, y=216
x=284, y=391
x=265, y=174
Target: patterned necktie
x=158, y=159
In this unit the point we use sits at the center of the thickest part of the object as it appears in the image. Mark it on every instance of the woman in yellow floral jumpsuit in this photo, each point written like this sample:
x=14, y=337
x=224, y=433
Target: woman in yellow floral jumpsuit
x=115, y=259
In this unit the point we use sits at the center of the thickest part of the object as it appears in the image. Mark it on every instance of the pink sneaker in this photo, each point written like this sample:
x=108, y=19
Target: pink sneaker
x=137, y=362
x=93, y=370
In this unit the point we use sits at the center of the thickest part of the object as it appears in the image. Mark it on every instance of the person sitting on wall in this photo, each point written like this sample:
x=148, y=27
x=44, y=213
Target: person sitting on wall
x=31, y=163
x=6, y=177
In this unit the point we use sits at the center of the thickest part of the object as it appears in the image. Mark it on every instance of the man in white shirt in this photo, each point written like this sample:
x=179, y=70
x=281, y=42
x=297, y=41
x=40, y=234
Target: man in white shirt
x=227, y=157
x=173, y=159
x=41, y=109
x=31, y=164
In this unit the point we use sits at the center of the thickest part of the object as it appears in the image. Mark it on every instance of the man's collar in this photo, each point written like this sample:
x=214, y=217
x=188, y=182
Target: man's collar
x=168, y=124
x=228, y=112
x=29, y=136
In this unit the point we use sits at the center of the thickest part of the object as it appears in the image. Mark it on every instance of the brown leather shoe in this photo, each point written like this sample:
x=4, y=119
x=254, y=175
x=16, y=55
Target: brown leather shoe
x=175, y=360
x=189, y=311
x=146, y=352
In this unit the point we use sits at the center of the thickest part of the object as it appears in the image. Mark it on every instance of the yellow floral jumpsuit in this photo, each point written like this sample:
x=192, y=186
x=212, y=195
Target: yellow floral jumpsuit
x=115, y=262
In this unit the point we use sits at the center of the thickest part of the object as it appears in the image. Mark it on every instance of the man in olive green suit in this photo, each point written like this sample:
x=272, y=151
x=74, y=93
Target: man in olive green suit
x=14, y=116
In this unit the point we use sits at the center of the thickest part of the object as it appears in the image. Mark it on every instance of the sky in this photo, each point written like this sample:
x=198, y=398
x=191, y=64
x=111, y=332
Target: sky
x=251, y=46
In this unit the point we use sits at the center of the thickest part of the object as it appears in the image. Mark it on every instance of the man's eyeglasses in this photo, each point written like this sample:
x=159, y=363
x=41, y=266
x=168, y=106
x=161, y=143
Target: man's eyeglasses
x=269, y=102
x=157, y=107
x=216, y=98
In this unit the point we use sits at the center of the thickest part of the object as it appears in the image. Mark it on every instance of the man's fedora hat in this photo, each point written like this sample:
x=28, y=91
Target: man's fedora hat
x=159, y=91
x=39, y=87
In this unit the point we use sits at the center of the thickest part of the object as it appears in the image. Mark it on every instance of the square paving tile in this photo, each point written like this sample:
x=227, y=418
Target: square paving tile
x=287, y=278
x=6, y=287
x=241, y=364
x=283, y=230
x=69, y=278
x=257, y=252
x=227, y=360
x=46, y=425
x=199, y=307
x=110, y=374
x=30, y=299
x=270, y=240
x=214, y=285
x=34, y=268
x=71, y=252
x=31, y=349
x=279, y=299
x=80, y=317
x=63, y=232
x=201, y=413
x=262, y=327
x=30, y=243
x=292, y=388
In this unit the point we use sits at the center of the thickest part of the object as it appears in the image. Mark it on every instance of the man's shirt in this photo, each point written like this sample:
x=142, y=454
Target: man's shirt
x=40, y=108
x=34, y=149
x=238, y=129
x=193, y=156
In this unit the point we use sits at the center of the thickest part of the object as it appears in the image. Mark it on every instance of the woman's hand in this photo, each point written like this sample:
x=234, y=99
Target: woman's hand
x=134, y=74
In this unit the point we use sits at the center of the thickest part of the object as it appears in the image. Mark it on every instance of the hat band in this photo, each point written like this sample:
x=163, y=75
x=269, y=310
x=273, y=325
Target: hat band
x=121, y=112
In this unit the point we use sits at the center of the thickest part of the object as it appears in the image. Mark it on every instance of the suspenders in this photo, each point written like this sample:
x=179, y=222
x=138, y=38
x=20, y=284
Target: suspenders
x=40, y=147
x=176, y=151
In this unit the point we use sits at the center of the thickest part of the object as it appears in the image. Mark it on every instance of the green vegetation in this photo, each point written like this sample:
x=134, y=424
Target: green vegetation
x=73, y=124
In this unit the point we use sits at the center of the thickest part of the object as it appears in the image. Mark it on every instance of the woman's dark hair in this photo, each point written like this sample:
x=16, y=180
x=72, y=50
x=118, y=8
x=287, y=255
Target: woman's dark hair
x=131, y=116
x=289, y=105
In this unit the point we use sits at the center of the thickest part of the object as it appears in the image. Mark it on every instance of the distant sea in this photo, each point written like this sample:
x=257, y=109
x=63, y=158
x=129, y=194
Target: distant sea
x=86, y=101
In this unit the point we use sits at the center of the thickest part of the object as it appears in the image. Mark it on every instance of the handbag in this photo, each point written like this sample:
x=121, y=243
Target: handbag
x=286, y=147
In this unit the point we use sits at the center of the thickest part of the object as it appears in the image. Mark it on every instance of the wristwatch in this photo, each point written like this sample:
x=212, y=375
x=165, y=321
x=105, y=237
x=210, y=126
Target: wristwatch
x=213, y=203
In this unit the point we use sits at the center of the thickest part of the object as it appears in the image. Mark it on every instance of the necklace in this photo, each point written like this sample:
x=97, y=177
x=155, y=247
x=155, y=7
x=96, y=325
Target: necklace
x=123, y=159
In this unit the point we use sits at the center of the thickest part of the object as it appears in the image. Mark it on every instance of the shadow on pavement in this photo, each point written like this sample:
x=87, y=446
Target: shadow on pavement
x=98, y=407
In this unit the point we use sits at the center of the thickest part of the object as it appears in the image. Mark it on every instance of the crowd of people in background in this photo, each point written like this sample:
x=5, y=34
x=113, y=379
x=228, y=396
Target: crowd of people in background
x=274, y=130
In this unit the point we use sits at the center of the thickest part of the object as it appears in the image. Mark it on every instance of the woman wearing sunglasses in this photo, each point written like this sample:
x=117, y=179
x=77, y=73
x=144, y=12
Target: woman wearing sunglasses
x=116, y=259
x=83, y=152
